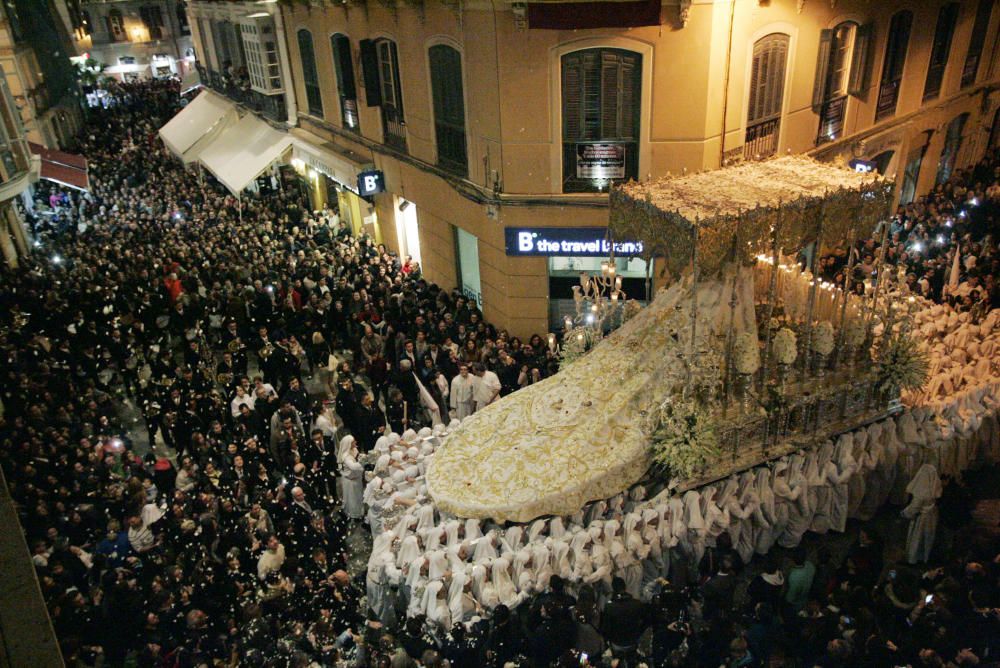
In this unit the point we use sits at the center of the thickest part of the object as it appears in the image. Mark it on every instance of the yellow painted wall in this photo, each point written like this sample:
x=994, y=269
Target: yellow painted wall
x=512, y=109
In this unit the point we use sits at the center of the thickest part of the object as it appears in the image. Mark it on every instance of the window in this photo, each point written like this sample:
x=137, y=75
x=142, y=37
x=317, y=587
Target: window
x=390, y=91
x=842, y=68
x=310, y=76
x=257, y=38
x=116, y=25
x=983, y=14
x=14, y=20
x=182, y=19
x=952, y=145
x=601, y=97
x=343, y=66
x=449, y=107
x=767, y=91
x=947, y=17
x=380, y=66
x=912, y=173
x=995, y=131
x=882, y=161
x=893, y=64
x=152, y=18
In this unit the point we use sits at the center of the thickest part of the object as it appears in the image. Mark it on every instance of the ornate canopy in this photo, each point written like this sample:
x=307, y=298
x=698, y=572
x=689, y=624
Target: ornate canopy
x=739, y=212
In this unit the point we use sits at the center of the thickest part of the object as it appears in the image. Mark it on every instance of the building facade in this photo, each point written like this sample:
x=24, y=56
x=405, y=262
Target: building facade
x=41, y=80
x=18, y=170
x=241, y=52
x=492, y=131
x=134, y=39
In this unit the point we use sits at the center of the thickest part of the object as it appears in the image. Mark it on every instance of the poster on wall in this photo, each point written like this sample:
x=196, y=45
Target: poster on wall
x=600, y=161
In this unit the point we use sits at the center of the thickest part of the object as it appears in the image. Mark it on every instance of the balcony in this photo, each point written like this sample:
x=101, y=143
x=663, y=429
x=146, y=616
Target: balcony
x=888, y=96
x=761, y=139
x=239, y=91
x=831, y=119
x=393, y=128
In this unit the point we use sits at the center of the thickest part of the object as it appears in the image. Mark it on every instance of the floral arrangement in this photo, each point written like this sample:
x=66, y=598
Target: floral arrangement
x=785, y=346
x=684, y=441
x=577, y=342
x=855, y=334
x=746, y=353
x=822, y=342
x=902, y=365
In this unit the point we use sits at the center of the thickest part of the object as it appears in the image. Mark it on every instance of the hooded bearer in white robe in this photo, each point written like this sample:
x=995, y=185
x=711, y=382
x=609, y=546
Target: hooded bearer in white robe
x=922, y=511
x=352, y=478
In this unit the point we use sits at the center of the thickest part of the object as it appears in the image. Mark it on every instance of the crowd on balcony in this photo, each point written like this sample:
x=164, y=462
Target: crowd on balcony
x=251, y=349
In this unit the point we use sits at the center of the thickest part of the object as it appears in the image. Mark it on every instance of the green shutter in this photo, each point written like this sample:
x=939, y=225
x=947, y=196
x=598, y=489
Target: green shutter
x=861, y=61
x=822, y=69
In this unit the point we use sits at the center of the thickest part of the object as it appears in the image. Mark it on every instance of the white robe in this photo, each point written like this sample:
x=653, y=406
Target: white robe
x=922, y=511
x=463, y=403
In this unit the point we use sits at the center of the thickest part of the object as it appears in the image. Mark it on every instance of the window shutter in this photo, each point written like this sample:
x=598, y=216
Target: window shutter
x=591, y=111
x=822, y=69
x=344, y=66
x=572, y=75
x=369, y=71
x=611, y=86
x=861, y=61
x=396, y=81
x=767, y=77
x=630, y=97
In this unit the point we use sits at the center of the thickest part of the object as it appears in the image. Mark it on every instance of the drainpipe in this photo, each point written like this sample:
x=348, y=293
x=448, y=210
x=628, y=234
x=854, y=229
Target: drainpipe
x=725, y=90
x=286, y=69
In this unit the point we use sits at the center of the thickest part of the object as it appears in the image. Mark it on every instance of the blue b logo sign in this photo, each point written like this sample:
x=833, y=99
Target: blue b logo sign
x=371, y=182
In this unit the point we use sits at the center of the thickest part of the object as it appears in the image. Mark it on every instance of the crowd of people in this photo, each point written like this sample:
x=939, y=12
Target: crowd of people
x=228, y=542
x=959, y=216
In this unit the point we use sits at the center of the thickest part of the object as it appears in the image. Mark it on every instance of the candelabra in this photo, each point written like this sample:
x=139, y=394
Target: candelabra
x=598, y=299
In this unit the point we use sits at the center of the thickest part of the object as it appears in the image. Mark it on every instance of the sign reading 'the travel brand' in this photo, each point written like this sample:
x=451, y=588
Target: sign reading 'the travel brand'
x=600, y=161
x=566, y=241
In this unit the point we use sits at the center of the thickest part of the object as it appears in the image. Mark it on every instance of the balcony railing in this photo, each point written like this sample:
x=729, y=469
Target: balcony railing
x=831, y=119
x=393, y=128
x=761, y=139
x=888, y=96
x=239, y=91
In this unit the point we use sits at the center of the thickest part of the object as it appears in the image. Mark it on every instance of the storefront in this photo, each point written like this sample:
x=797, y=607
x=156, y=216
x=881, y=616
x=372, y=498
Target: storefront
x=407, y=228
x=571, y=251
x=332, y=180
x=467, y=269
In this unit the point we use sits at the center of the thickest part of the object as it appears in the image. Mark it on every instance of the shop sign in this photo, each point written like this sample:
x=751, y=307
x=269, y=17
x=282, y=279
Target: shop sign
x=566, y=241
x=863, y=166
x=371, y=182
x=600, y=161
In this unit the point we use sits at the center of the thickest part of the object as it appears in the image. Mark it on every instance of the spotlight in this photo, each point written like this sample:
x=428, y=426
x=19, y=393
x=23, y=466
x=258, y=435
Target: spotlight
x=940, y=240
x=56, y=259
x=36, y=243
x=918, y=247
x=974, y=201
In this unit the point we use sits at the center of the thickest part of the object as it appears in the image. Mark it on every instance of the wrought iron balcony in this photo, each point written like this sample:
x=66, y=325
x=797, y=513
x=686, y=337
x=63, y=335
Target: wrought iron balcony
x=761, y=140
x=239, y=91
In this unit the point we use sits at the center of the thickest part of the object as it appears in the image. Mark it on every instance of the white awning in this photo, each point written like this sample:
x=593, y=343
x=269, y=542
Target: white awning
x=195, y=126
x=244, y=151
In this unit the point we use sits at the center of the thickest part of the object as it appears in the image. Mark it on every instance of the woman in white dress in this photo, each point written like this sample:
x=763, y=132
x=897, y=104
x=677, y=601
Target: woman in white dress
x=352, y=479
